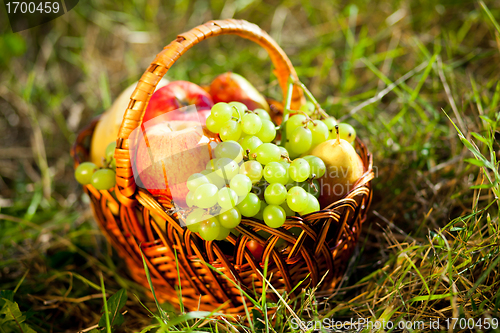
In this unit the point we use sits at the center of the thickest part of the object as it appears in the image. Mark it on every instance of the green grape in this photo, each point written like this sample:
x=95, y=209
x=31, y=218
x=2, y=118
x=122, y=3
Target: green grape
x=223, y=233
x=226, y=168
x=205, y=196
x=260, y=214
x=241, y=184
x=221, y=112
x=231, y=130
x=274, y=216
x=209, y=228
x=275, y=194
x=213, y=125
x=275, y=172
x=330, y=123
x=251, y=124
x=103, y=179
x=112, y=164
x=284, y=154
x=267, y=153
x=319, y=131
x=214, y=178
x=211, y=164
x=190, y=199
x=347, y=132
x=194, y=218
x=291, y=154
x=249, y=143
x=230, y=218
x=84, y=172
x=317, y=165
x=288, y=211
x=238, y=109
x=297, y=120
x=299, y=170
x=300, y=140
x=195, y=180
x=227, y=198
x=297, y=199
x=263, y=114
x=250, y=205
x=229, y=149
x=253, y=170
x=313, y=188
x=267, y=132
x=312, y=205
x=307, y=108
x=286, y=165
x=110, y=152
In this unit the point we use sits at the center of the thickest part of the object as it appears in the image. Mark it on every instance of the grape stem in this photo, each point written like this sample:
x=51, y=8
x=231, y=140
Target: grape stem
x=286, y=158
x=289, y=93
x=311, y=97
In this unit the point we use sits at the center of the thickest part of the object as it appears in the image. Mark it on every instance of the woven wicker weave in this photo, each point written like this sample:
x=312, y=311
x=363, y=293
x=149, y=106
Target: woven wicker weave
x=134, y=221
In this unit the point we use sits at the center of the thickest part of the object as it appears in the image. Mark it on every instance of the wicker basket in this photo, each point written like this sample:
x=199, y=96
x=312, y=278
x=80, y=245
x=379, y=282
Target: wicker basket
x=134, y=221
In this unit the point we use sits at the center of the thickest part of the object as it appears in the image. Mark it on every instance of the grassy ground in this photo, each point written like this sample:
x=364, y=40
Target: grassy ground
x=394, y=69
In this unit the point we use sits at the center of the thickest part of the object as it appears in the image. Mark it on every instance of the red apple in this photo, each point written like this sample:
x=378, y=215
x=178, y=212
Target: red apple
x=166, y=154
x=229, y=87
x=176, y=95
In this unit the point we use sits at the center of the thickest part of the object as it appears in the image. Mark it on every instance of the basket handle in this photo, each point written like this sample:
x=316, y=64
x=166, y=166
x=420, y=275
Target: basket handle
x=166, y=58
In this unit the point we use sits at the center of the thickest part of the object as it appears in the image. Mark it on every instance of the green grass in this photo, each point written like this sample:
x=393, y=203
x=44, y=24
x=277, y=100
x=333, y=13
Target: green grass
x=418, y=81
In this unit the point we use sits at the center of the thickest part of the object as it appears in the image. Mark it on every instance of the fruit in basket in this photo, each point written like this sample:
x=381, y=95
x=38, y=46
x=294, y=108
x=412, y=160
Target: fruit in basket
x=312, y=205
x=267, y=132
x=106, y=130
x=177, y=95
x=347, y=132
x=230, y=87
x=300, y=140
x=343, y=168
x=209, y=228
x=255, y=249
x=250, y=205
x=319, y=132
x=172, y=152
x=297, y=199
x=103, y=179
x=230, y=218
x=318, y=167
x=253, y=167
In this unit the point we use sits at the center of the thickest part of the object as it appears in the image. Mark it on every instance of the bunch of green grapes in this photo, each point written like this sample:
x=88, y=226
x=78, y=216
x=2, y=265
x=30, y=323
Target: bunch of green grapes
x=251, y=178
x=233, y=120
x=87, y=173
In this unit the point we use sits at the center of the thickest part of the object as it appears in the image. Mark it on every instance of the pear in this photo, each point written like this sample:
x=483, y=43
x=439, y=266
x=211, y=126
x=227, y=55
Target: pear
x=343, y=168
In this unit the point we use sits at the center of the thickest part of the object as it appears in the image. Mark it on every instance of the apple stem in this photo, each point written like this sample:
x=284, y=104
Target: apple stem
x=338, y=134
